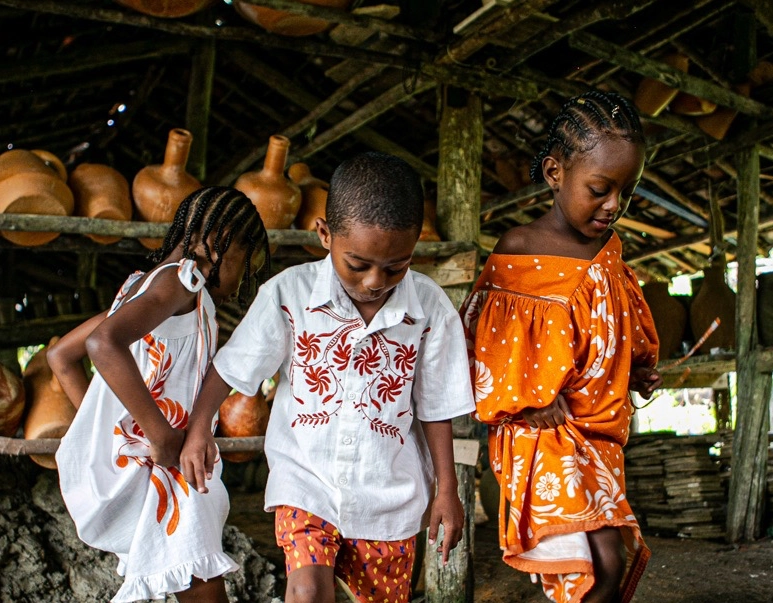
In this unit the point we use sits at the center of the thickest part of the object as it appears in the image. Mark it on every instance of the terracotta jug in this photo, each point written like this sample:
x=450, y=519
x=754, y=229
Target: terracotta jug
x=242, y=417
x=652, y=96
x=713, y=300
x=50, y=411
x=313, y=202
x=765, y=309
x=159, y=189
x=101, y=192
x=11, y=402
x=670, y=317
x=31, y=184
x=288, y=24
x=690, y=105
x=718, y=123
x=276, y=197
x=166, y=8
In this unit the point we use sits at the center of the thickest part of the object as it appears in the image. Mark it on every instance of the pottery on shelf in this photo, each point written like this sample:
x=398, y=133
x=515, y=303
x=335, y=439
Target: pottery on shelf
x=313, y=202
x=718, y=123
x=652, y=96
x=11, y=402
x=285, y=23
x=101, y=192
x=31, y=182
x=670, y=317
x=276, y=197
x=242, y=417
x=765, y=309
x=159, y=189
x=166, y=8
x=714, y=299
x=691, y=105
x=49, y=410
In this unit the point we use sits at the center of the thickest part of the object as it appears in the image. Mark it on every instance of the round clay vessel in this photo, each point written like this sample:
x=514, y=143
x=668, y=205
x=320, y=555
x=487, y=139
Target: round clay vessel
x=50, y=411
x=52, y=161
x=690, y=105
x=242, y=417
x=652, y=96
x=159, y=189
x=288, y=24
x=166, y=8
x=101, y=192
x=765, y=309
x=714, y=299
x=718, y=123
x=670, y=317
x=11, y=402
x=313, y=202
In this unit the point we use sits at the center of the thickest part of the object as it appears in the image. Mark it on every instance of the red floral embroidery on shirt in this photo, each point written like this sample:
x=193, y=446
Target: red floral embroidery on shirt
x=308, y=346
x=405, y=358
x=367, y=360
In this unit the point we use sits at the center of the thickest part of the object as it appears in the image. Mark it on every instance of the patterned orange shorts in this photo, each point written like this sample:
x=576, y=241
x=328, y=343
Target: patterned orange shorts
x=373, y=570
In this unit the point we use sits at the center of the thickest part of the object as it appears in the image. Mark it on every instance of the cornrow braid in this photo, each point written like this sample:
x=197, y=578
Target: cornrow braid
x=582, y=122
x=220, y=216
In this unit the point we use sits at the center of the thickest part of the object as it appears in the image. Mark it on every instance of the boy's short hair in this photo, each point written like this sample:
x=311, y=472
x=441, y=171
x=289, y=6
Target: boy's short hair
x=375, y=189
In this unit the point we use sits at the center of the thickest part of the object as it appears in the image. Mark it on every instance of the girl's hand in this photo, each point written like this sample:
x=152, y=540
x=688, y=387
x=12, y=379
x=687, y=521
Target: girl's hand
x=197, y=459
x=547, y=417
x=447, y=509
x=644, y=380
x=167, y=451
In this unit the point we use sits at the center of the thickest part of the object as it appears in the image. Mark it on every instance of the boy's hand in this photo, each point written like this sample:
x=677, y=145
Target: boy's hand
x=547, y=417
x=645, y=381
x=447, y=510
x=166, y=452
x=197, y=459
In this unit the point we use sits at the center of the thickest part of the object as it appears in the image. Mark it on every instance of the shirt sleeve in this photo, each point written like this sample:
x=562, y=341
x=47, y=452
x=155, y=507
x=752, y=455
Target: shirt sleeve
x=258, y=345
x=442, y=388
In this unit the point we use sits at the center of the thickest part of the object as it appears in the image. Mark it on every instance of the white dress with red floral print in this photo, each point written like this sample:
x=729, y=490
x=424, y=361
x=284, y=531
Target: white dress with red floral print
x=162, y=531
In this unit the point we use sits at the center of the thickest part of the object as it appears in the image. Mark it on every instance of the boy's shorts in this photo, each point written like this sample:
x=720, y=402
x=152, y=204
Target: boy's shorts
x=373, y=570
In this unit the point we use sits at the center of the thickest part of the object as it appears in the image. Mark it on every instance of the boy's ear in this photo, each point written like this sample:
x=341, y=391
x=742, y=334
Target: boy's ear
x=551, y=170
x=323, y=232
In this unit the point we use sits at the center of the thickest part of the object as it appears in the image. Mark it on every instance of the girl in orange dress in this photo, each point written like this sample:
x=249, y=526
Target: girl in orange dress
x=558, y=333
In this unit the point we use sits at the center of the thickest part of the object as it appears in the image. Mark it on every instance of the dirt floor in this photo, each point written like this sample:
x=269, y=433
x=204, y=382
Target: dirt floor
x=680, y=571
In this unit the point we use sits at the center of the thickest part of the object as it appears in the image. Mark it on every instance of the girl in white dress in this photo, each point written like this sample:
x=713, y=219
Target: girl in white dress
x=118, y=463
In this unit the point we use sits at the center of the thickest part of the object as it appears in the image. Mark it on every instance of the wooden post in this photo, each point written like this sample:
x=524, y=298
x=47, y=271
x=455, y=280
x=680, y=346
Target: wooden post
x=458, y=209
x=745, y=510
x=199, y=102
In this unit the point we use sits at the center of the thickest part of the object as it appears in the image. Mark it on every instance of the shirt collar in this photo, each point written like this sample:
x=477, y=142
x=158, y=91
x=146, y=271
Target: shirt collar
x=403, y=301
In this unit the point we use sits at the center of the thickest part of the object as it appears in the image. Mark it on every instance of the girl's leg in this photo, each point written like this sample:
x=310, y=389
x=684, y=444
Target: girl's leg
x=200, y=591
x=311, y=584
x=609, y=561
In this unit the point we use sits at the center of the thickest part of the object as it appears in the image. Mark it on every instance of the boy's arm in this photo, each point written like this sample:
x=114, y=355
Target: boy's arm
x=197, y=458
x=446, y=508
x=65, y=358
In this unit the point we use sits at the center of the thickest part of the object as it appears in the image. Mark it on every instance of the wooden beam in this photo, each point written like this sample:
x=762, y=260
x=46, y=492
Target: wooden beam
x=763, y=10
x=663, y=184
x=21, y=447
x=632, y=61
x=198, y=106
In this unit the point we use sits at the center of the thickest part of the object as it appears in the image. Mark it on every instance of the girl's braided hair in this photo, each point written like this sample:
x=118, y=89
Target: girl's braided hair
x=222, y=214
x=583, y=121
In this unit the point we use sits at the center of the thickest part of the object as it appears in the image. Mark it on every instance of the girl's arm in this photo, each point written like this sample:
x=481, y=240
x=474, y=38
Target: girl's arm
x=65, y=358
x=446, y=508
x=108, y=347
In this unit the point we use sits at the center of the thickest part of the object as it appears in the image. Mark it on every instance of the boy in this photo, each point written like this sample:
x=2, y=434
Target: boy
x=373, y=368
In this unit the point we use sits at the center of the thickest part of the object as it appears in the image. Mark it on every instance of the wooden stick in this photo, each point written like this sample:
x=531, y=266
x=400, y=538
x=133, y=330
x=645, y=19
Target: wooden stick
x=21, y=447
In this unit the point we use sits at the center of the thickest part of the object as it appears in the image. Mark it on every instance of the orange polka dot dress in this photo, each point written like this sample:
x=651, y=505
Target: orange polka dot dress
x=538, y=326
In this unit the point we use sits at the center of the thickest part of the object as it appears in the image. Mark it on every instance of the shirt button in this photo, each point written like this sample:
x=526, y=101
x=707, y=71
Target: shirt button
x=351, y=395
x=343, y=481
x=347, y=440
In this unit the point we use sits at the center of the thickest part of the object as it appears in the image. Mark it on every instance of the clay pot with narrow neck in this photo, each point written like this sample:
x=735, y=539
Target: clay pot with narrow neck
x=242, y=417
x=31, y=182
x=159, y=189
x=168, y=9
x=313, y=202
x=670, y=317
x=285, y=23
x=276, y=197
x=49, y=410
x=101, y=192
x=652, y=96
x=11, y=402
x=714, y=299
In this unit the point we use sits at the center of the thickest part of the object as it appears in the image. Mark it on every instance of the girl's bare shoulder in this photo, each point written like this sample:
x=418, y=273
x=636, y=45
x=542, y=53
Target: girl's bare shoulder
x=527, y=239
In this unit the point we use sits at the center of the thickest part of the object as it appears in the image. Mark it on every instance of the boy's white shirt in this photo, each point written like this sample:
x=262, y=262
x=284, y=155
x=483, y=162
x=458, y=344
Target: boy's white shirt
x=343, y=439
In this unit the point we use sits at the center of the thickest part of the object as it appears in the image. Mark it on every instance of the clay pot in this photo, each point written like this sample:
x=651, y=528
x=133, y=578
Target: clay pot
x=513, y=173
x=50, y=411
x=159, y=189
x=670, y=318
x=765, y=309
x=313, y=201
x=713, y=300
x=242, y=417
x=718, y=123
x=288, y=24
x=276, y=198
x=687, y=104
x=101, y=192
x=11, y=402
x=31, y=184
x=166, y=8
x=652, y=96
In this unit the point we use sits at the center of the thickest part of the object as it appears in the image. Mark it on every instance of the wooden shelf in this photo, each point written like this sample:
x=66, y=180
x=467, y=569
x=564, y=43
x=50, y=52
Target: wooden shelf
x=705, y=369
